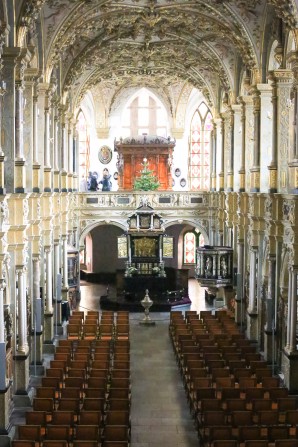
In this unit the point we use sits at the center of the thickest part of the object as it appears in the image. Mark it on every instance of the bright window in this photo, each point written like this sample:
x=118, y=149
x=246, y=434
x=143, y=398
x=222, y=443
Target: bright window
x=144, y=115
x=201, y=127
x=84, y=145
x=192, y=239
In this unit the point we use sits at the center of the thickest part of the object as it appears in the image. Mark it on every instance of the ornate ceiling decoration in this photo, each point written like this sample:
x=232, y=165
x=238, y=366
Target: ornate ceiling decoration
x=153, y=43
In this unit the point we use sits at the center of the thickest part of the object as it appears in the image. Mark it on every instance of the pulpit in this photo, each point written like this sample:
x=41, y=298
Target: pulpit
x=131, y=153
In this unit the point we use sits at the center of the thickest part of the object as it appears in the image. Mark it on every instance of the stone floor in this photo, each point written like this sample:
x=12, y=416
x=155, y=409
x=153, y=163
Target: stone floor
x=159, y=411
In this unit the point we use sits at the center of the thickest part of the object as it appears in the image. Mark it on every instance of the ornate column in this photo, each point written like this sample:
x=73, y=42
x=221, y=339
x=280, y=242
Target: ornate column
x=273, y=163
x=63, y=152
x=9, y=113
x=284, y=82
x=270, y=305
x=21, y=378
x=20, y=173
x=47, y=183
x=2, y=182
x=222, y=157
x=49, y=314
x=56, y=145
x=70, y=153
x=36, y=163
x=64, y=269
x=76, y=160
x=37, y=351
x=213, y=157
x=252, y=316
x=265, y=135
x=293, y=105
x=255, y=169
x=242, y=131
x=230, y=150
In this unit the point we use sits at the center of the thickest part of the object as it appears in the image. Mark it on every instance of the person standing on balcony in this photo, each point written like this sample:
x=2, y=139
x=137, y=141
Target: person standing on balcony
x=106, y=180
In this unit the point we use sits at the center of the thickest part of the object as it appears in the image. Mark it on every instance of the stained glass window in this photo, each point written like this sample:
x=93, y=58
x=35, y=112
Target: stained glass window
x=192, y=239
x=199, y=169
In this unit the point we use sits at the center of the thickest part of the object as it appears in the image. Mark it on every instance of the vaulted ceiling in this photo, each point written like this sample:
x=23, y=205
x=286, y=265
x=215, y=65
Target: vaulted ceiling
x=156, y=43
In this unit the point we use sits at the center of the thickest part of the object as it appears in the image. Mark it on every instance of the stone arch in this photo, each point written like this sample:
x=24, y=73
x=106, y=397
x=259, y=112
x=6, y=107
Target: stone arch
x=192, y=222
x=89, y=226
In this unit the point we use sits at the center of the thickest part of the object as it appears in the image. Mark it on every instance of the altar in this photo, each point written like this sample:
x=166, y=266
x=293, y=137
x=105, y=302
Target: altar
x=135, y=287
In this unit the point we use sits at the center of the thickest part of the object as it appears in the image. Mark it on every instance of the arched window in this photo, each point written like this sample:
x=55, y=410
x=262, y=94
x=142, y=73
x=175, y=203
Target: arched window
x=84, y=145
x=191, y=240
x=201, y=127
x=144, y=115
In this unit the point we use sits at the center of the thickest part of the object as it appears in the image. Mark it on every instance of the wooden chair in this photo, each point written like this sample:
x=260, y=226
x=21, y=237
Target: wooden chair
x=98, y=382
x=52, y=382
x=114, y=417
x=120, y=373
x=38, y=418
x=91, y=417
x=268, y=417
x=220, y=434
x=256, y=443
x=118, y=404
x=94, y=404
x=116, y=433
x=210, y=419
x=277, y=432
x=71, y=393
x=29, y=433
x=23, y=443
x=235, y=405
x=90, y=331
x=69, y=404
x=242, y=417
x=261, y=405
x=46, y=392
x=119, y=393
x=43, y=404
x=54, y=443
x=286, y=443
x=77, y=372
x=58, y=432
x=63, y=418
x=98, y=393
x=74, y=382
x=121, y=364
x=247, y=433
x=225, y=443
x=81, y=443
x=87, y=432
x=120, y=383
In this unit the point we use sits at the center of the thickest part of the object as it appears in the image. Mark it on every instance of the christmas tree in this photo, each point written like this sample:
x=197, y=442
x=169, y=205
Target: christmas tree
x=147, y=180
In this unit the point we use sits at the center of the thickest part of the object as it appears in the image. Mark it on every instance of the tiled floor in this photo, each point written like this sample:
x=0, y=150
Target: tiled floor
x=159, y=413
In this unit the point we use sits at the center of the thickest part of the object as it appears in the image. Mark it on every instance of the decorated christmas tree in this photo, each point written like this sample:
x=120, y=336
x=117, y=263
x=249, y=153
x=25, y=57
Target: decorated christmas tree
x=147, y=180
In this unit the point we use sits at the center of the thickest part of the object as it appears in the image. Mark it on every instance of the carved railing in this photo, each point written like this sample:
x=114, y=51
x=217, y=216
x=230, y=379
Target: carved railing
x=156, y=199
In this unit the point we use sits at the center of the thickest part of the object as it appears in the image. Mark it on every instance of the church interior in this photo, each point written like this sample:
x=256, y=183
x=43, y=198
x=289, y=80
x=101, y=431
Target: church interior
x=184, y=115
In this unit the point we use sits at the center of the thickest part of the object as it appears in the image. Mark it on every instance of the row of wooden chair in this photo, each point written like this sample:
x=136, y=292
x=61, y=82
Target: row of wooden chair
x=229, y=397
x=95, y=325
x=84, y=397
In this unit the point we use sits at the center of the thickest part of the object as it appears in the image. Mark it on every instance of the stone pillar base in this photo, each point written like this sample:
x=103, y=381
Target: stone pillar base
x=49, y=347
x=239, y=312
x=48, y=327
x=252, y=326
x=289, y=366
x=21, y=374
x=4, y=413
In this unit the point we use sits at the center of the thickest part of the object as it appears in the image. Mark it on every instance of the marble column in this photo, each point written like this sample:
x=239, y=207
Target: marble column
x=222, y=157
x=293, y=104
x=64, y=164
x=37, y=368
x=269, y=347
x=230, y=161
x=213, y=157
x=21, y=377
x=255, y=169
x=36, y=164
x=290, y=353
x=56, y=151
x=252, y=311
x=239, y=300
x=70, y=155
x=64, y=270
x=9, y=113
x=47, y=184
x=48, y=317
x=241, y=171
x=284, y=83
x=57, y=287
x=2, y=180
x=273, y=163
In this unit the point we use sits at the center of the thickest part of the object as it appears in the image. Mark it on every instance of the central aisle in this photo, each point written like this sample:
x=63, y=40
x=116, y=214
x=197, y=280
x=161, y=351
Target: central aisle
x=160, y=415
